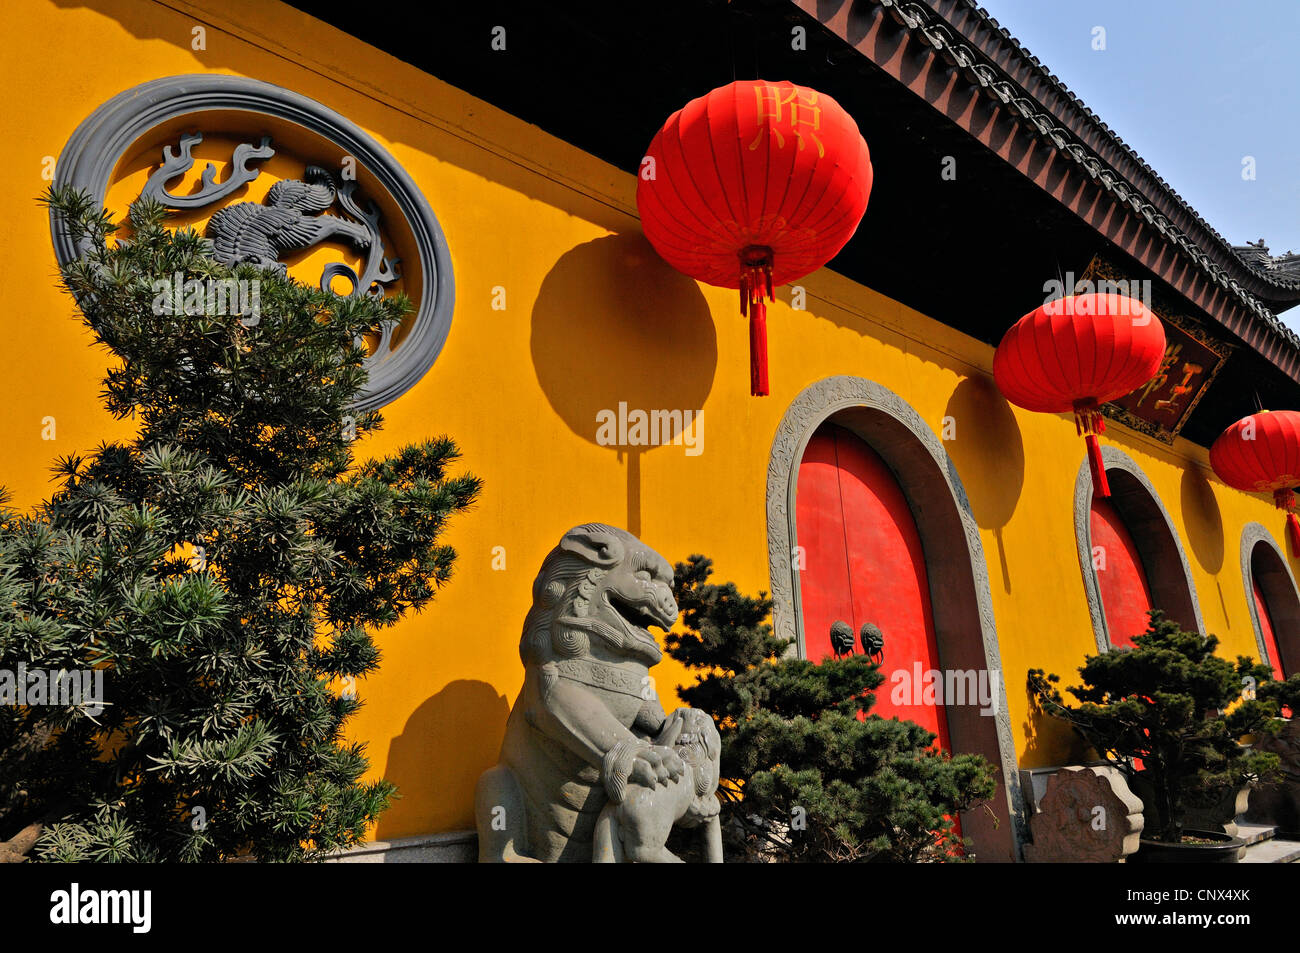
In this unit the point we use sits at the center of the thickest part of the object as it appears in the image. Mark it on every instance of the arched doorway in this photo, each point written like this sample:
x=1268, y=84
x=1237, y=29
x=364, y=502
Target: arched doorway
x=1273, y=599
x=864, y=563
x=1131, y=557
x=1121, y=578
x=951, y=555
x=1267, y=634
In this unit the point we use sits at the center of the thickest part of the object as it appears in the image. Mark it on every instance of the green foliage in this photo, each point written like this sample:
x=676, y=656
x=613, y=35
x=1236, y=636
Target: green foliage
x=1286, y=695
x=804, y=778
x=228, y=677
x=1165, y=701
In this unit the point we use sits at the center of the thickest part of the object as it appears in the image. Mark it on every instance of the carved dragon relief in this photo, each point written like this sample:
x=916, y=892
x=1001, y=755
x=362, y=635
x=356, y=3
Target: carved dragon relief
x=294, y=216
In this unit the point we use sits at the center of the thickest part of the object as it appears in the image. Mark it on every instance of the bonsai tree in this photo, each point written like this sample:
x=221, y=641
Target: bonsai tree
x=1169, y=714
x=220, y=571
x=807, y=774
x=1284, y=694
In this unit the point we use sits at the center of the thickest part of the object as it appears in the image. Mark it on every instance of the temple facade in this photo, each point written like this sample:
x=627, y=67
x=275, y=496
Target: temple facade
x=485, y=162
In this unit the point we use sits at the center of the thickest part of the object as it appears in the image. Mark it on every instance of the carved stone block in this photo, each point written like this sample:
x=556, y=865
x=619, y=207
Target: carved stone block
x=1088, y=815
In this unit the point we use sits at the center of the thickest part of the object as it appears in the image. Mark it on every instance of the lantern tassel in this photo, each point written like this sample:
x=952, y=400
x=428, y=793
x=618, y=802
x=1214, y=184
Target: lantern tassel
x=1089, y=422
x=1100, y=485
x=758, y=349
x=1284, y=499
x=755, y=286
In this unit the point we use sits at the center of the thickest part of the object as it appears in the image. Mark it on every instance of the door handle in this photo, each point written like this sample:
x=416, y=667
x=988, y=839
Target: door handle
x=873, y=642
x=841, y=638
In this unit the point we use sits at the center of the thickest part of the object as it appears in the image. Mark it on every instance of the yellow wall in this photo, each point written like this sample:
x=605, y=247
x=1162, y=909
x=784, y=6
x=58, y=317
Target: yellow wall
x=592, y=317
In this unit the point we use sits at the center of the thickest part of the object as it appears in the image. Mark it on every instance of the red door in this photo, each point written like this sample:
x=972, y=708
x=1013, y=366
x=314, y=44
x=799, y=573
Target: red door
x=863, y=563
x=1266, y=629
x=1121, y=579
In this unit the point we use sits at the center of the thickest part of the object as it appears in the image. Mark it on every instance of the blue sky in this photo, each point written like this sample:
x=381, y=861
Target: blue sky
x=1193, y=86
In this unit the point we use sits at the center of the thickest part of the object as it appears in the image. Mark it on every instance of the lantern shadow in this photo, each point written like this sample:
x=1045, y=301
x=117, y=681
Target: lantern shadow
x=616, y=330
x=986, y=447
x=1202, y=519
x=1203, y=523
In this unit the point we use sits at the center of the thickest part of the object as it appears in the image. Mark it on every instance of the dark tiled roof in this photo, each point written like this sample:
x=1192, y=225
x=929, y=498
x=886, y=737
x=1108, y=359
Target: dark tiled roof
x=1287, y=281
x=1255, y=254
x=1210, y=252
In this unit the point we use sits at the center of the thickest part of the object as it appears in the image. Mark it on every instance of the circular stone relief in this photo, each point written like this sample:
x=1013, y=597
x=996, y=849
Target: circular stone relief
x=342, y=191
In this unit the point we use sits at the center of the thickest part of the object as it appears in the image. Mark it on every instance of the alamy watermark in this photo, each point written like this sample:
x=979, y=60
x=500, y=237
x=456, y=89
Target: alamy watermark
x=211, y=297
x=653, y=428
x=133, y=908
x=932, y=687
x=79, y=688
x=1056, y=289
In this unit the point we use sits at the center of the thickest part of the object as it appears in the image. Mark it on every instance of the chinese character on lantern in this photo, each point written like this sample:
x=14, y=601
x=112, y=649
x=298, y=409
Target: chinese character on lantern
x=802, y=111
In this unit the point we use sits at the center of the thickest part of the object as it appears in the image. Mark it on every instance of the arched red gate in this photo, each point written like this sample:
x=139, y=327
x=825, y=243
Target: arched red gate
x=863, y=562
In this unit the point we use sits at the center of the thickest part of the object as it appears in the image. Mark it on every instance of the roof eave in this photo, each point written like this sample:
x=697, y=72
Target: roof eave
x=935, y=58
x=980, y=30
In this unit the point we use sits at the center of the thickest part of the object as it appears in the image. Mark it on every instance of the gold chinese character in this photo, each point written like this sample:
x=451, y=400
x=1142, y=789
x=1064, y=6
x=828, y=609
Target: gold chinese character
x=804, y=116
x=1190, y=370
x=1162, y=375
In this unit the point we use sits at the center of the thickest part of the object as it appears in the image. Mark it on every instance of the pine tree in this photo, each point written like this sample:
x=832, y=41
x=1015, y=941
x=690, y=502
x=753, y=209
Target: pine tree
x=222, y=569
x=808, y=774
x=1169, y=714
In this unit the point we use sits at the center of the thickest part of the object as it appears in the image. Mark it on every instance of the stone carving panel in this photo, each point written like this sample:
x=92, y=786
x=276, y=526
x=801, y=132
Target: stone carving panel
x=1087, y=815
x=319, y=205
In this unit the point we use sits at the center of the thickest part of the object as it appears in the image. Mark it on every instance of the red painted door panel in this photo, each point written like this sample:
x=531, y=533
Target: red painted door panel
x=864, y=563
x=820, y=526
x=1125, y=592
x=1266, y=629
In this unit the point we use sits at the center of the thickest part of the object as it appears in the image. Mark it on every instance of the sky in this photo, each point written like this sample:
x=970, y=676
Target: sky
x=1194, y=87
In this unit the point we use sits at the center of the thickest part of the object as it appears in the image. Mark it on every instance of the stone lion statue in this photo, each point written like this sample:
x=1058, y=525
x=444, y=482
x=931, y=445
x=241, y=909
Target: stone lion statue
x=591, y=767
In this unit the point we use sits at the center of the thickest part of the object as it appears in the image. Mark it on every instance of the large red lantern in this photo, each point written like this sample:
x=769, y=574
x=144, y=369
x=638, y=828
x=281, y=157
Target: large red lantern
x=1261, y=454
x=1075, y=354
x=753, y=185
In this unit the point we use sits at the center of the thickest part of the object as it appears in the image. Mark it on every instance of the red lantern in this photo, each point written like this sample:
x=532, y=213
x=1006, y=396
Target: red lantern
x=1259, y=454
x=1075, y=354
x=753, y=185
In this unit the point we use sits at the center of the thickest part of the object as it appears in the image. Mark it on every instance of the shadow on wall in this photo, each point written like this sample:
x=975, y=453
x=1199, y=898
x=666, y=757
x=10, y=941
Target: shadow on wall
x=1050, y=742
x=1202, y=519
x=616, y=331
x=983, y=439
x=1203, y=522
x=454, y=736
